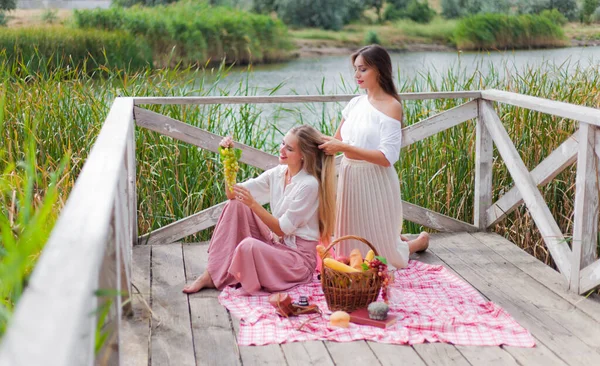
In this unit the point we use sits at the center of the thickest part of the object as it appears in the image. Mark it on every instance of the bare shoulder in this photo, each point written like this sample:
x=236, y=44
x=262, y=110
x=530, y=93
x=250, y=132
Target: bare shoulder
x=393, y=109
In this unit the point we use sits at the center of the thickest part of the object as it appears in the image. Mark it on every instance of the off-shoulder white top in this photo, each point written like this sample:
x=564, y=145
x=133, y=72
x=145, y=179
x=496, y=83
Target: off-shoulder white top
x=367, y=127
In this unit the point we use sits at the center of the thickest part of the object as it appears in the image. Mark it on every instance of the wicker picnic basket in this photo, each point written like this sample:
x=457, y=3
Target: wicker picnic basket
x=350, y=291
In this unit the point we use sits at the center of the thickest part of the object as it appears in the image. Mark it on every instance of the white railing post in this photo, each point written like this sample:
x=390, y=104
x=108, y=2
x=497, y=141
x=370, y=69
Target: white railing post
x=483, y=171
x=585, y=225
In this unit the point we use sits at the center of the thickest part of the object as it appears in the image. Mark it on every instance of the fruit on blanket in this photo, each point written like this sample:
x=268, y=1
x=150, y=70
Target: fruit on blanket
x=323, y=253
x=338, y=266
x=339, y=319
x=370, y=255
x=344, y=259
x=356, y=259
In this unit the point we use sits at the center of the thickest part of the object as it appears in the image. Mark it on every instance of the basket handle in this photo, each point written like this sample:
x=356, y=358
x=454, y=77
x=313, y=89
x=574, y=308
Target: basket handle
x=346, y=237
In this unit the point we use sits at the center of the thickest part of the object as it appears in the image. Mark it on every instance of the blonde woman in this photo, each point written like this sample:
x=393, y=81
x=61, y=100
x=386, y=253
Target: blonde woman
x=263, y=251
x=370, y=137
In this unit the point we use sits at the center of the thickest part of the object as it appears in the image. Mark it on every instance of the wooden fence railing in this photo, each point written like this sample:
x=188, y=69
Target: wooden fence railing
x=90, y=247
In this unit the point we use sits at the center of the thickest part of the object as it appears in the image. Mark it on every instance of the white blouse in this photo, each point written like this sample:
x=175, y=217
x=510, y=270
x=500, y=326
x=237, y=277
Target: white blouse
x=296, y=206
x=367, y=127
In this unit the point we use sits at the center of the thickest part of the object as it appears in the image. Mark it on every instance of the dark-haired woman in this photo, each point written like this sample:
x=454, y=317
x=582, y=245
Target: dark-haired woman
x=370, y=136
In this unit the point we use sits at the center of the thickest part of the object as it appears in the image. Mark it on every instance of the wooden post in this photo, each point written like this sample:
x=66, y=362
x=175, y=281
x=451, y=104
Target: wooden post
x=585, y=226
x=130, y=162
x=532, y=197
x=108, y=283
x=484, y=150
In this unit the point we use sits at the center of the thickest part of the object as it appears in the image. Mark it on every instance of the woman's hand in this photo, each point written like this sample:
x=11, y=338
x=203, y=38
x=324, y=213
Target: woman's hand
x=244, y=196
x=332, y=146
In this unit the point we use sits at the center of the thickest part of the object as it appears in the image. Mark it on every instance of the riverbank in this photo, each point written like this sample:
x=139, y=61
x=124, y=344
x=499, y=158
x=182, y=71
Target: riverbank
x=407, y=36
x=400, y=36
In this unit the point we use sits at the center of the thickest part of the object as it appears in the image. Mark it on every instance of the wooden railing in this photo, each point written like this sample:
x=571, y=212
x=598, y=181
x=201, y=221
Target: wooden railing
x=90, y=247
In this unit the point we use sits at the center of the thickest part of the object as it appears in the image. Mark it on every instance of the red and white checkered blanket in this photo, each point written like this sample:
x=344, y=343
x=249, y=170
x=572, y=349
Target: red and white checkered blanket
x=433, y=305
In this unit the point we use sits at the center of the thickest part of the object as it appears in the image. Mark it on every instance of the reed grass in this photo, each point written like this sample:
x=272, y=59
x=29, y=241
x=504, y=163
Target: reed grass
x=50, y=122
x=500, y=31
x=40, y=50
x=195, y=32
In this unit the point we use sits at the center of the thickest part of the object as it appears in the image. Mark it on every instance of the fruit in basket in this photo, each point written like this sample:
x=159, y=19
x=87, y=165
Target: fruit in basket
x=344, y=259
x=356, y=259
x=338, y=266
x=323, y=253
x=379, y=264
x=370, y=255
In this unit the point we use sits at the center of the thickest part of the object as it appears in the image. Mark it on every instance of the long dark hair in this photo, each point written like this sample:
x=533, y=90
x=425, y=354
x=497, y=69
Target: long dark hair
x=378, y=58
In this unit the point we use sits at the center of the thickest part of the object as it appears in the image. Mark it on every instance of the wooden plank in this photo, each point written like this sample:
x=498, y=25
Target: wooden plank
x=296, y=98
x=392, y=354
x=259, y=355
x=484, y=154
x=130, y=162
x=187, y=226
x=541, y=272
x=554, y=164
x=123, y=245
x=438, y=123
x=206, y=140
x=296, y=353
x=435, y=354
x=500, y=288
x=434, y=220
x=171, y=339
x=108, y=287
x=306, y=353
x=351, y=353
x=561, y=109
x=580, y=324
x=566, y=330
x=590, y=277
x=540, y=355
x=487, y=355
x=136, y=328
x=532, y=197
x=585, y=225
x=214, y=340
x=56, y=311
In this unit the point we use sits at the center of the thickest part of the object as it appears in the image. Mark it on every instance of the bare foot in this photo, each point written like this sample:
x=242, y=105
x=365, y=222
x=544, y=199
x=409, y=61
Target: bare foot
x=204, y=281
x=404, y=238
x=420, y=244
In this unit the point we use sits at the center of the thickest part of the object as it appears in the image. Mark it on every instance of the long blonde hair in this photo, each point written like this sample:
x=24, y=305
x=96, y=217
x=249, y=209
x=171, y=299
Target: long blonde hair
x=322, y=167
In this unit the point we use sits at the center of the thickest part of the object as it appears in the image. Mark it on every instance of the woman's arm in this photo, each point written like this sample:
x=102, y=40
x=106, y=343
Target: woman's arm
x=333, y=146
x=338, y=132
x=244, y=196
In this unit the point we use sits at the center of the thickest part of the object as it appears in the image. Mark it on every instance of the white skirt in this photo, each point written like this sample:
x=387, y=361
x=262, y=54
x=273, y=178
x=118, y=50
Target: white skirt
x=369, y=206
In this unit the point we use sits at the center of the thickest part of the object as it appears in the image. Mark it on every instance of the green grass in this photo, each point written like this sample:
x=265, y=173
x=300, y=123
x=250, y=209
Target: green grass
x=394, y=35
x=438, y=31
x=195, y=33
x=499, y=31
x=43, y=49
x=50, y=123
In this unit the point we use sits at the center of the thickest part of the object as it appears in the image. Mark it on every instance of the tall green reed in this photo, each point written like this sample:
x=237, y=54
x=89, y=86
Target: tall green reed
x=28, y=196
x=176, y=179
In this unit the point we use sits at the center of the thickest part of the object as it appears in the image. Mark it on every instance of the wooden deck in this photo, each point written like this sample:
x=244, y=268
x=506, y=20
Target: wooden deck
x=197, y=330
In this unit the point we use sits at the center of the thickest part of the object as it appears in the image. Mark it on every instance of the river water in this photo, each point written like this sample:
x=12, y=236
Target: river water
x=415, y=71
x=333, y=74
